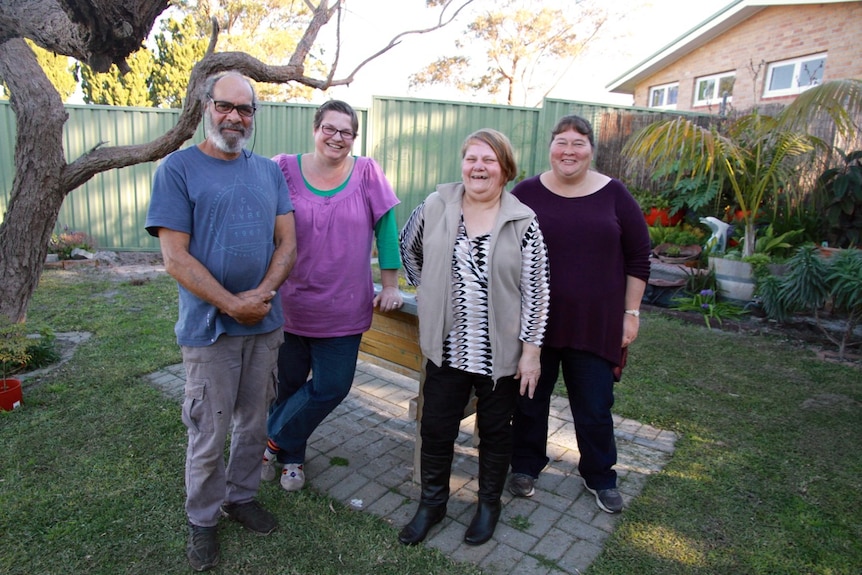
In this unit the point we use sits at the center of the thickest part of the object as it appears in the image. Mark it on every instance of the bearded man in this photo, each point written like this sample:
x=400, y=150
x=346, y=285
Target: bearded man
x=225, y=223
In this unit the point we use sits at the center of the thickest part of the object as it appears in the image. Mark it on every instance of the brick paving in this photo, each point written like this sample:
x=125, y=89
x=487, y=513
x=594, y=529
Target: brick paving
x=559, y=530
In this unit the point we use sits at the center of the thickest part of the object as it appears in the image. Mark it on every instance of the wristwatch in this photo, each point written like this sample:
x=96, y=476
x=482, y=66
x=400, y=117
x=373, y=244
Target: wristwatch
x=634, y=312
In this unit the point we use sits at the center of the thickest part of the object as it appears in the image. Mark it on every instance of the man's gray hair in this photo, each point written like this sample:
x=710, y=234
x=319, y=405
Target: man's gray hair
x=212, y=80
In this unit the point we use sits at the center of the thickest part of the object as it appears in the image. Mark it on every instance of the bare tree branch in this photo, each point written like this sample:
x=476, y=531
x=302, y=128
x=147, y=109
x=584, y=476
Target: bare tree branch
x=441, y=22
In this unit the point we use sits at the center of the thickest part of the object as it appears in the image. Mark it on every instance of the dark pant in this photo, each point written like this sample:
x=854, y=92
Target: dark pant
x=445, y=395
x=302, y=403
x=590, y=384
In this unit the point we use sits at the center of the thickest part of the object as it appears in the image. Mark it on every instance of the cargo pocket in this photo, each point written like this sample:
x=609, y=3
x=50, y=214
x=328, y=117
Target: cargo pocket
x=197, y=411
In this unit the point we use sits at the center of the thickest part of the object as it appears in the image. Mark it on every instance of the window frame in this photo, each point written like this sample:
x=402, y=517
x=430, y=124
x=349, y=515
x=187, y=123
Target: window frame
x=797, y=64
x=665, y=89
x=716, y=99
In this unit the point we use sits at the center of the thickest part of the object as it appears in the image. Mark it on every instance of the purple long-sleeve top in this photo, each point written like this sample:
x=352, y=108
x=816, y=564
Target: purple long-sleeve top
x=594, y=242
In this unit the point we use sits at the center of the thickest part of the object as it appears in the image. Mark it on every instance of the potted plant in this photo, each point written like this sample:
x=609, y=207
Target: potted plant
x=681, y=244
x=739, y=276
x=14, y=355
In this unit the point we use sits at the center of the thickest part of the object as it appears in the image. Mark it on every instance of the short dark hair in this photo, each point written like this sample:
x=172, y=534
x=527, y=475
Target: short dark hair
x=341, y=108
x=211, y=81
x=576, y=123
x=502, y=148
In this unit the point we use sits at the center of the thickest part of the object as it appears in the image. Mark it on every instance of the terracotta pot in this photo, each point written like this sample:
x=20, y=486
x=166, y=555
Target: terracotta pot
x=683, y=253
x=10, y=394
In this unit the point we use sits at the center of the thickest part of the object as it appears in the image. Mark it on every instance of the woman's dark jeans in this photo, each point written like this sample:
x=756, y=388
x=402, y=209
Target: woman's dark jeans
x=590, y=384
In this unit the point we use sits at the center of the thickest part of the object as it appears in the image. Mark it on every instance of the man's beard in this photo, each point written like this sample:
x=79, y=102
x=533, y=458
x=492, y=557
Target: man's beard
x=232, y=143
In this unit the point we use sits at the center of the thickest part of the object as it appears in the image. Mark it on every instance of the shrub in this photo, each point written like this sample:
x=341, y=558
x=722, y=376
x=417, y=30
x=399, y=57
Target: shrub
x=820, y=286
x=681, y=235
x=64, y=243
x=21, y=352
x=840, y=190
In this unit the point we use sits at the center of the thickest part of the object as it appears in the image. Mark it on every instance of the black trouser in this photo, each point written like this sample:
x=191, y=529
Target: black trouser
x=445, y=395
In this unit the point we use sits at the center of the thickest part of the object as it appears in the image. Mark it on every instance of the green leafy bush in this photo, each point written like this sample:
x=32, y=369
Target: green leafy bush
x=14, y=346
x=22, y=352
x=64, y=243
x=706, y=303
x=840, y=190
x=682, y=235
x=821, y=286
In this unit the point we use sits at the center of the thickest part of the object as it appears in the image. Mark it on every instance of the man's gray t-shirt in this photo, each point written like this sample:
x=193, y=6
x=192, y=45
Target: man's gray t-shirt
x=228, y=208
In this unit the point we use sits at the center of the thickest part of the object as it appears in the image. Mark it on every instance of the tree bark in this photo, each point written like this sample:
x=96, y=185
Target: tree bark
x=37, y=190
x=98, y=32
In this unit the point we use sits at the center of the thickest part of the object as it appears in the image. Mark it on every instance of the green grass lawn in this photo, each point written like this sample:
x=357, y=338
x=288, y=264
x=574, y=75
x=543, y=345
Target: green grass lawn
x=765, y=477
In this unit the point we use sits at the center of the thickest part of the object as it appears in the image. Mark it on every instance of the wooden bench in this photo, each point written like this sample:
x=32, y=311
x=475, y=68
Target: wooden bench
x=393, y=343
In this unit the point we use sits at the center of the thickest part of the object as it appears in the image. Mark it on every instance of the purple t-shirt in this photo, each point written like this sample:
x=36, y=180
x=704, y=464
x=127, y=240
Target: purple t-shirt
x=593, y=242
x=330, y=292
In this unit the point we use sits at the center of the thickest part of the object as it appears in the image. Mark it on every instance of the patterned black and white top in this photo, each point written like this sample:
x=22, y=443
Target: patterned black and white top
x=468, y=345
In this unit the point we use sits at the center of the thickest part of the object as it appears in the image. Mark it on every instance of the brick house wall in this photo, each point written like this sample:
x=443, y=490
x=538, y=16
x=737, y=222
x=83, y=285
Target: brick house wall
x=773, y=34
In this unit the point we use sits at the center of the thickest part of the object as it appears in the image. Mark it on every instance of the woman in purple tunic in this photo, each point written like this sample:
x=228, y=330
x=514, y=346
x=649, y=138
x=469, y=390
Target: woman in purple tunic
x=343, y=206
x=598, y=249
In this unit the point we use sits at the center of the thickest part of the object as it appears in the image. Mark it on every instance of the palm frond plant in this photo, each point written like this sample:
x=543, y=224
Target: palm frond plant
x=755, y=154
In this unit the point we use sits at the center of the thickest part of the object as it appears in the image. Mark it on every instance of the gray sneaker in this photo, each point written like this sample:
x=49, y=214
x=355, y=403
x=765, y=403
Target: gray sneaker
x=608, y=500
x=522, y=485
x=202, y=548
x=251, y=516
x=268, y=470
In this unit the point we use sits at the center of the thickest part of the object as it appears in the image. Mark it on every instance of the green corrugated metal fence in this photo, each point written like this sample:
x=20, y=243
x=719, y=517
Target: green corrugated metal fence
x=417, y=142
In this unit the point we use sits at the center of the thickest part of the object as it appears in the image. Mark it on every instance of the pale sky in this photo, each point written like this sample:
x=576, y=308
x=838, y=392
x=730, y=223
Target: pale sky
x=640, y=28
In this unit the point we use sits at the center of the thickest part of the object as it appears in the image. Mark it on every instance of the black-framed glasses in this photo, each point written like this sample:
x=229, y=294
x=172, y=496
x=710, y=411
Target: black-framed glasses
x=223, y=107
x=346, y=135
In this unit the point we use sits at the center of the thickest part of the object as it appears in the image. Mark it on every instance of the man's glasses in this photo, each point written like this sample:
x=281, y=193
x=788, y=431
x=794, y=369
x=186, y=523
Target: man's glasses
x=222, y=107
x=346, y=135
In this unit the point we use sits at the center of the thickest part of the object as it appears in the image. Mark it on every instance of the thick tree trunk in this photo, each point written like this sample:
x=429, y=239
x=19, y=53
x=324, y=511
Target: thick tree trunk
x=37, y=191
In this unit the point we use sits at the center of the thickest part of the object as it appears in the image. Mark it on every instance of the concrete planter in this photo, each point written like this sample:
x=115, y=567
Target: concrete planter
x=735, y=279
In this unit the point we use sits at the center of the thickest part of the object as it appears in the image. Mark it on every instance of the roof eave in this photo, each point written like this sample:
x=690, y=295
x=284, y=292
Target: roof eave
x=717, y=24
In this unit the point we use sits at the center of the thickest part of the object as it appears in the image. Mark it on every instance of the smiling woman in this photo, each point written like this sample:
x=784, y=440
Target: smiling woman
x=343, y=203
x=468, y=244
x=598, y=248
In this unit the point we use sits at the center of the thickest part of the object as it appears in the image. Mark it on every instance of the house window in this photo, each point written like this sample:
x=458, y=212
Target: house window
x=664, y=96
x=711, y=90
x=790, y=77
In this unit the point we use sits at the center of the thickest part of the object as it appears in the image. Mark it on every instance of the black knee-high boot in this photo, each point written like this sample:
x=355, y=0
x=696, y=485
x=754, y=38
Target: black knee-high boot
x=493, y=468
x=434, y=474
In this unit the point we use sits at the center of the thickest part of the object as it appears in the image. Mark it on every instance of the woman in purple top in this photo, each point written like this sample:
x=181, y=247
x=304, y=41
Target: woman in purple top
x=598, y=249
x=342, y=204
